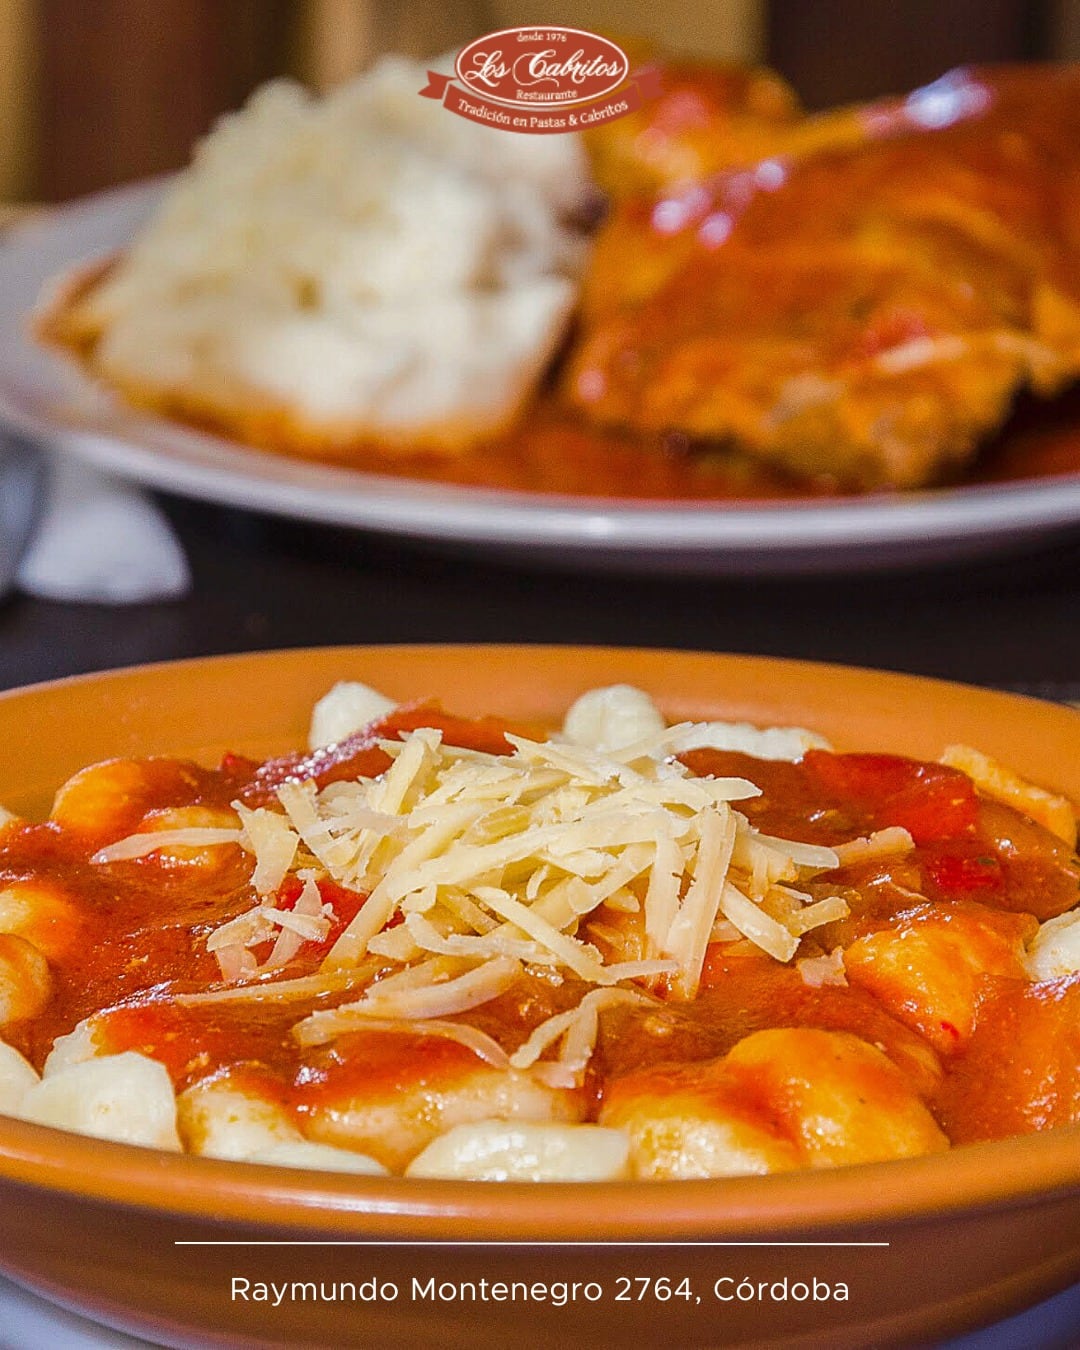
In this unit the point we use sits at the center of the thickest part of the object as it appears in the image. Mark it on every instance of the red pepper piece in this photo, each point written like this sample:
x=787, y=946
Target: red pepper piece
x=359, y=755
x=952, y=875
x=930, y=801
x=345, y=903
x=288, y=892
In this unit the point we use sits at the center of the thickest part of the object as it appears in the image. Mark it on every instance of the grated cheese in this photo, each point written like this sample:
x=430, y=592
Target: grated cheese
x=268, y=986
x=885, y=843
x=753, y=923
x=817, y=971
x=495, y=858
x=485, y=1047
x=267, y=835
x=577, y=1028
x=305, y=922
x=435, y=999
x=690, y=930
x=149, y=841
x=608, y=863
x=289, y=928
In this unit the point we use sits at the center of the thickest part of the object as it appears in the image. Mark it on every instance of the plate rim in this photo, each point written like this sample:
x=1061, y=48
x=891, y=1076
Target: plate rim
x=173, y=457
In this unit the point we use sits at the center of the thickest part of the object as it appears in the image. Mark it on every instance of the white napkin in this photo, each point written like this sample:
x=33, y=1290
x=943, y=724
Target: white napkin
x=101, y=541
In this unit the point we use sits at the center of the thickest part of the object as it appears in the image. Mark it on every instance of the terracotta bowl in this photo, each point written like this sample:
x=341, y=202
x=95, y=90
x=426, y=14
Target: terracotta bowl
x=153, y=1243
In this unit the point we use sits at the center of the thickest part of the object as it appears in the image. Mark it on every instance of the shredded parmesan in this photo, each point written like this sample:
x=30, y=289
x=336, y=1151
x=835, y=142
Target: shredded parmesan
x=485, y=1047
x=577, y=1028
x=267, y=987
x=437, y=999
x=611, y=864
x=305, y=922
x=510, y=858
x=289, y=929
x=753, y=923
x=690, y=930
x=821, y=970
x=885, y=843
x=808, y=917
x=268, y=836
x=149, y=841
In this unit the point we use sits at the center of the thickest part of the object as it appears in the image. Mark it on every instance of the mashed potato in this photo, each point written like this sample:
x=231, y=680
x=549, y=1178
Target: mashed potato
x=362, y=266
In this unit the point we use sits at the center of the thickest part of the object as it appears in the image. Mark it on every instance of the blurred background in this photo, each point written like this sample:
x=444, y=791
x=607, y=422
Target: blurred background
x=97, y=92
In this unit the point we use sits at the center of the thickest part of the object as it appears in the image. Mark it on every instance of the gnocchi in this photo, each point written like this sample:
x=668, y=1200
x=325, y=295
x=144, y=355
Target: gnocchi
x=126, y=1096
x=434, y=947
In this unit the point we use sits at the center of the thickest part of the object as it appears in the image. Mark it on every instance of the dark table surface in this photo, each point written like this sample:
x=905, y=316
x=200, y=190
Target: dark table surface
x=260, y=582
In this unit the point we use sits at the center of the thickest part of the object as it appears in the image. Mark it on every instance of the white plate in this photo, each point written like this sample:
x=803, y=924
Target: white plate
x=42, y=394
x=28, y=1322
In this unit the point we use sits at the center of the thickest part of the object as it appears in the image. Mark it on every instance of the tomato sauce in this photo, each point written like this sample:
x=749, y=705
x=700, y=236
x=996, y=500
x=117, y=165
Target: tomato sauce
x=552, y=450
x=1021, y=1071
x=555, y=451
x=979, y=878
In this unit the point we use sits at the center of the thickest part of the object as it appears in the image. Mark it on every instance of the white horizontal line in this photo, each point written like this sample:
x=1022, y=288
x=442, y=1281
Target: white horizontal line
x=498, y=1242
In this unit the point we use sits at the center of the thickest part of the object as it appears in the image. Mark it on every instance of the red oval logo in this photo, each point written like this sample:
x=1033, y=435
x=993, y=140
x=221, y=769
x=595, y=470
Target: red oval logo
x=542, y=67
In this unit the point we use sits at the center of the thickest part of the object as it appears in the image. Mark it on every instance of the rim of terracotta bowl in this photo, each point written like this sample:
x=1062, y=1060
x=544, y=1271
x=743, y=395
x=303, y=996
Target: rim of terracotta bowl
x=859, y=1199
x=846, y=702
